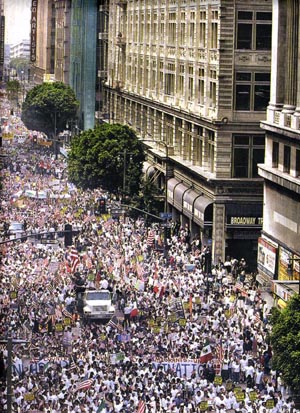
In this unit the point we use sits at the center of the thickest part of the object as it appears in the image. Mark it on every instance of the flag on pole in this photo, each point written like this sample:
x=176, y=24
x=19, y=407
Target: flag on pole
x=150, y=238
x=66, y=313
x=257, y=317
x=85, y=384
x=115, y=323
x=206, y=354
x=220, y=353
x=141, y=407
x=74, y=256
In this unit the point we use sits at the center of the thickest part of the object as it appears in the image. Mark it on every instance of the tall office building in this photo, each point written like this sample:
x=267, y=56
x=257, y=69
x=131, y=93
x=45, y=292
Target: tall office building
x=83, y=53
x=193, y=79
x=62, y=40
x=279, y=246
x=42, y=41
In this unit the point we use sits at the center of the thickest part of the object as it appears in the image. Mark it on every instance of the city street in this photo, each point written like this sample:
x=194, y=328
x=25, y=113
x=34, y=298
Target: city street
x=181, y=340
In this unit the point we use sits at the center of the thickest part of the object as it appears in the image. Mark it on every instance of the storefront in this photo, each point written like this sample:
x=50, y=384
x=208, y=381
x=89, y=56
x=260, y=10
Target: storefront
x=243, y=228
x=192, y=208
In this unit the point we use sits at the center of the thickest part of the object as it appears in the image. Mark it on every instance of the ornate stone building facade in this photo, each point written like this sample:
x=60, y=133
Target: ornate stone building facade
x=192, y=77
x=43, y=66
x=279, y=246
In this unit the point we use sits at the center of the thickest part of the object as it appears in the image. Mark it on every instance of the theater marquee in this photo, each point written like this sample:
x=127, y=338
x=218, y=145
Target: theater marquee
x=34, y=5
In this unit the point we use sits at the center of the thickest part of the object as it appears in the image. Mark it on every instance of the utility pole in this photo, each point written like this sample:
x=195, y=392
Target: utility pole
x=9, y=346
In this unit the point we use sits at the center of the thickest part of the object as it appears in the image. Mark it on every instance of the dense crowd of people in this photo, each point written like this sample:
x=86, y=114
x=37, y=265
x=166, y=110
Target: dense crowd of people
x=180, y=341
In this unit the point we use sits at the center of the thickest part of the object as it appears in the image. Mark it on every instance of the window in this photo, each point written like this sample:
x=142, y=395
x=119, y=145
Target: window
x=198, y=146
x=190, y=83
x=286, y=159
x=213, y=89
x=275, y=154
x=172, y=29
x=214, y=30
x=297, y=167
x=161, y=75
x=201, y=86
x=252, y=91
x=211, y=150
x=192, y=33
x=162, y=27
x=170, y=79
x=254, y=30
x=181, y=80
x=202, y=29
x=248, y=151
x=154, y=26
x=182, y=30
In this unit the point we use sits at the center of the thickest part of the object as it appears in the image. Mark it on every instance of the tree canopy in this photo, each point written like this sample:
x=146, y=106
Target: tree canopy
x=285, y=340
x=13, y=88
x=109, y=156
x=48, y=107
x=19, y=64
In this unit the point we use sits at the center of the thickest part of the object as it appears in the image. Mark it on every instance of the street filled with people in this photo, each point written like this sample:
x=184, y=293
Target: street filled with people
x=184, y=337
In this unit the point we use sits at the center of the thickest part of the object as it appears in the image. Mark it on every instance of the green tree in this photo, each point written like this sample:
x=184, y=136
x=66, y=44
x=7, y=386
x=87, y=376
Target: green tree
x=13, y=88
x=150, y=198
x=48, y=107
x=20, y=64
x=101, y=156
x=285, y=341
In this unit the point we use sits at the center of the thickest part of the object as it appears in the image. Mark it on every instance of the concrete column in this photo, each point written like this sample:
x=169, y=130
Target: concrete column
x=292, y=56
x=278, y=55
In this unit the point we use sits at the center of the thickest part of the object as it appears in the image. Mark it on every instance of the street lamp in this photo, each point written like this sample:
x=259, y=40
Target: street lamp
x=161, y=142
x=125, y=153
x=9, y=342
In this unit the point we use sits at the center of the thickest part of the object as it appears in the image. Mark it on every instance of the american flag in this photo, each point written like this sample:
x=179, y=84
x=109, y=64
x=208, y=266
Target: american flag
x=220, y=353
x=141, y=407
x=115, y=323
x=66, y=313
x=74, y=256
x=257, y=317
x=85, y=384
x=150, y=238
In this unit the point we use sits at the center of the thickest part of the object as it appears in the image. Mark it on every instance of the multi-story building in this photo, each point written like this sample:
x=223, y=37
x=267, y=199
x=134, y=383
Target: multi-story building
x=62, y=40
x=279, y=246
x=83, y=58
x=43, y=33
x=102, y=47
x=193, y=79
x=20, y=49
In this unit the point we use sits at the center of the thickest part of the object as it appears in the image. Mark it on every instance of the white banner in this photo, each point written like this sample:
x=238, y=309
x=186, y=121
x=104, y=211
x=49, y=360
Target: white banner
x=266, y=255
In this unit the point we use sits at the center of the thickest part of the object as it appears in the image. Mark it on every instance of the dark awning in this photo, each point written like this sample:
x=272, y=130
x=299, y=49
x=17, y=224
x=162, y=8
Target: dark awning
x=179, y=190
x=148, y=169
x=203, y=211
x=189, y=198
x=170, y=193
